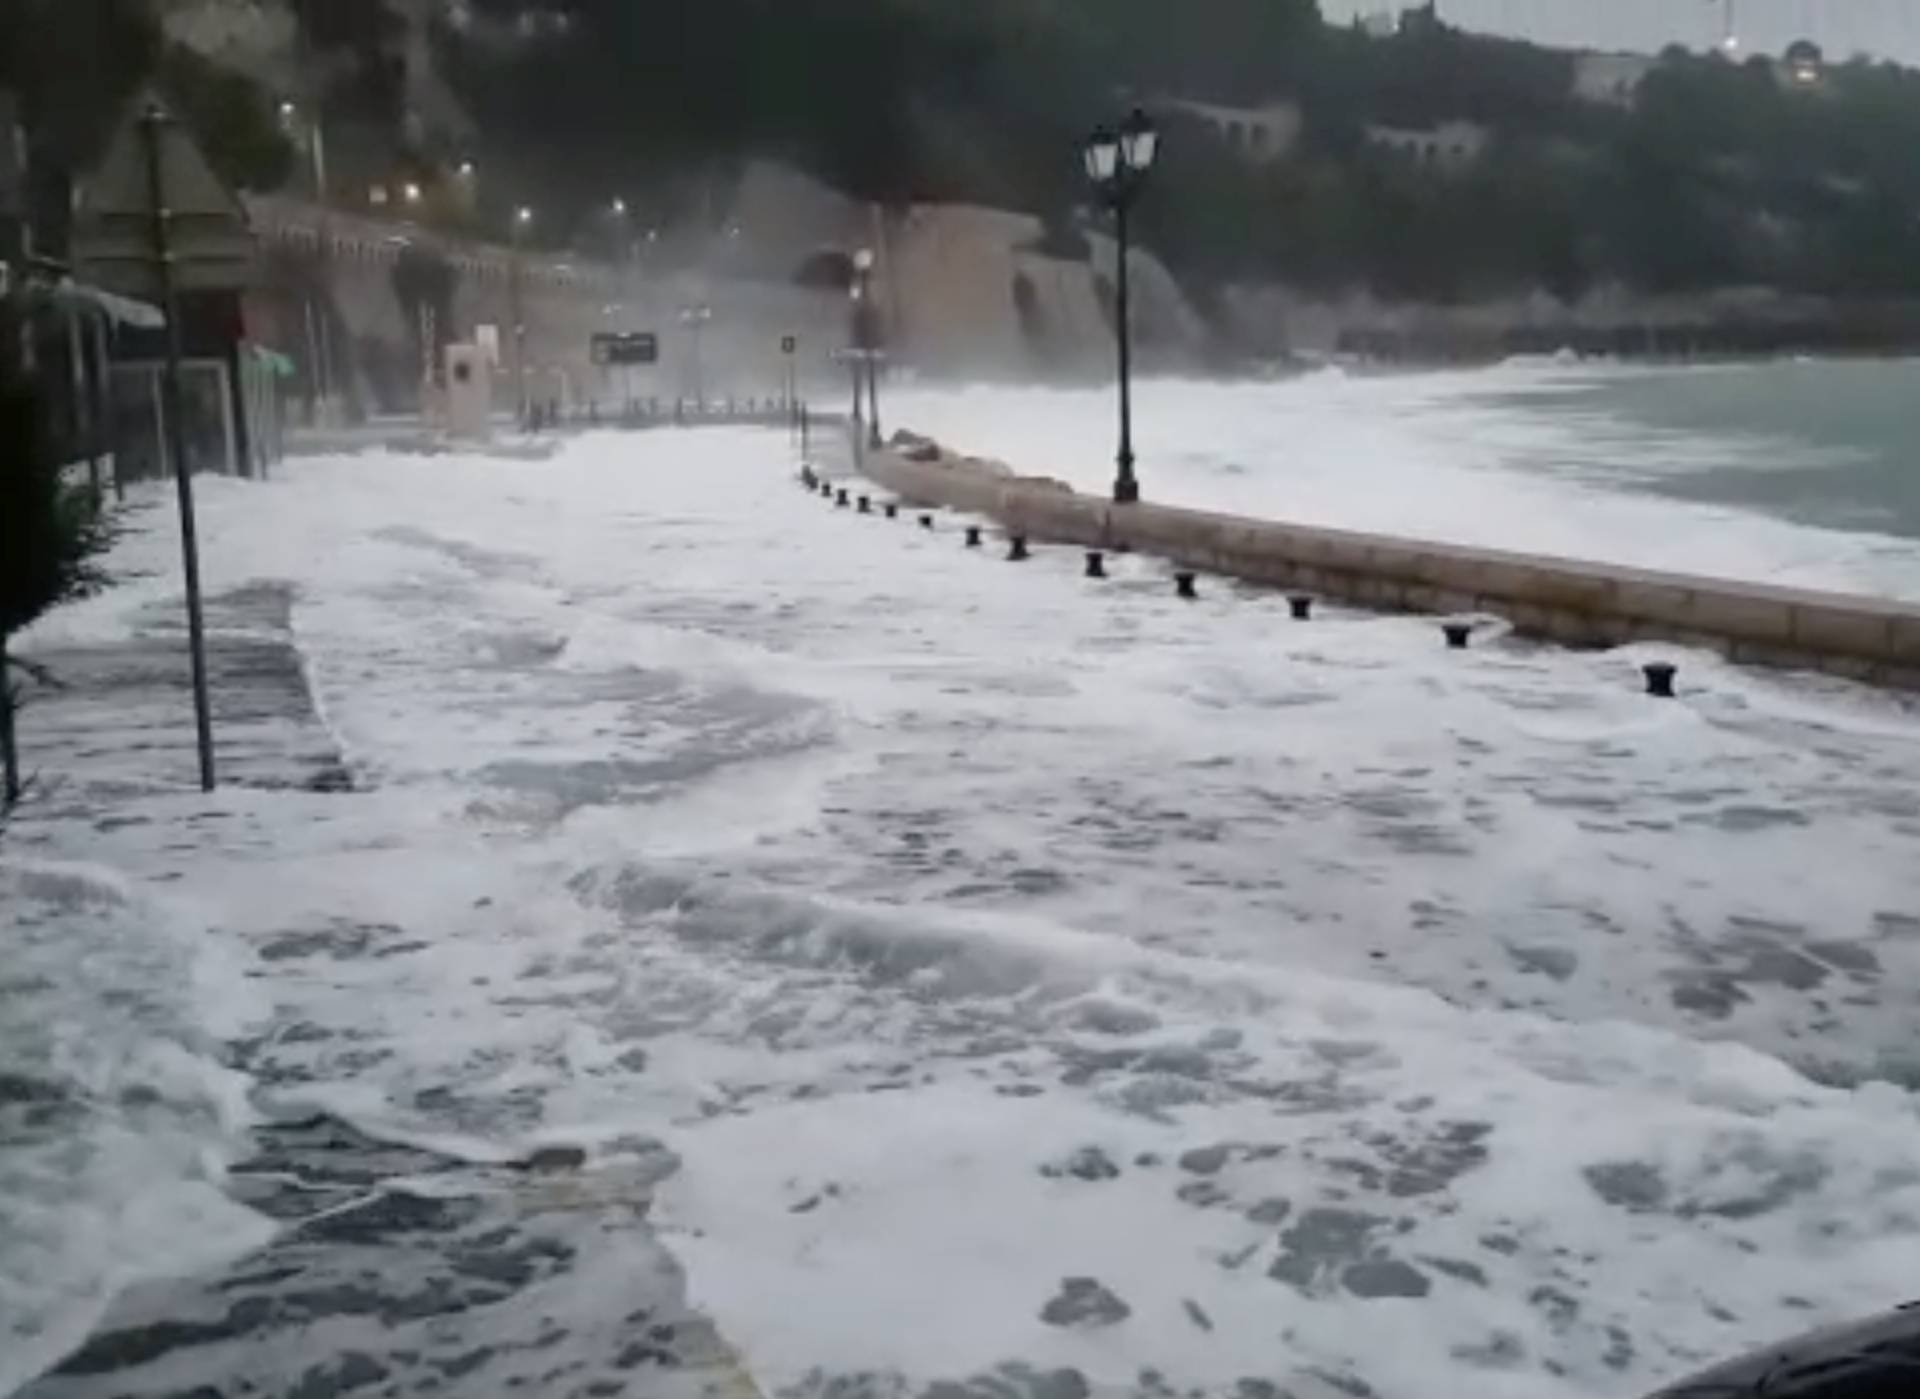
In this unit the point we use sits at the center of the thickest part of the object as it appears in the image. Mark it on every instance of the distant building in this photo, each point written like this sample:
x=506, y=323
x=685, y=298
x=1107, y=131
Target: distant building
x=1450, y=146
x=1611, y=79
x=1258, y=134
x=1802, y=66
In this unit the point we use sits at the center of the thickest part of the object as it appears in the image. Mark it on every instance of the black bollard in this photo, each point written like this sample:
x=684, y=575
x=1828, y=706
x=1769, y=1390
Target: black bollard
x=1183, y=584
x=926, y=522
x=807, y=478
x=1016, y=547
x=866, y=505
x=973, y=536
x=1096, y=564
x=1660, y=678
x=1458, y=634
x=1302, y=606
x=893, y=511
x=840, y=498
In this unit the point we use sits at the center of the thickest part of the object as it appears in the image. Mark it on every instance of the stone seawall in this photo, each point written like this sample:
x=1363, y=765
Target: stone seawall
x=1565, y=600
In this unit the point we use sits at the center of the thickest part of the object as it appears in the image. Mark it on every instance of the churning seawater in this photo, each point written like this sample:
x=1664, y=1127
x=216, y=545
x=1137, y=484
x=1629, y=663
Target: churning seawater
x=1801, y=472
x=915, y=945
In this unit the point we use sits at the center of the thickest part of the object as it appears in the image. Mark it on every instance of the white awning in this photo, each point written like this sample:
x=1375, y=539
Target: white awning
x=70, y=295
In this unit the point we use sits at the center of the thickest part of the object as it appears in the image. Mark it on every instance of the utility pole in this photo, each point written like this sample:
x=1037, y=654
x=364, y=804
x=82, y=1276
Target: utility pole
x=153, y=124
x=154, y=222
x=516, y=309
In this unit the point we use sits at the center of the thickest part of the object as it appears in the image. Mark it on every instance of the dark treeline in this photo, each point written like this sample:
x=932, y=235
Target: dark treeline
x=1721, y=175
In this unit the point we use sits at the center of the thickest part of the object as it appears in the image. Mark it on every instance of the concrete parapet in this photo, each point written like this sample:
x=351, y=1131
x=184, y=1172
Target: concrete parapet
x=1567, y=600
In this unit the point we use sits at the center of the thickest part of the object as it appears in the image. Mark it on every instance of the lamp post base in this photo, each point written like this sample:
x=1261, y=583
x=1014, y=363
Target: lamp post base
x=1126, y=491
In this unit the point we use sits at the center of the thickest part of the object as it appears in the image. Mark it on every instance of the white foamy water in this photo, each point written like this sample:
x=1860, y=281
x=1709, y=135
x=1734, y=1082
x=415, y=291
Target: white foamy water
x=1031, y=975
x=116, y=1117
x=1532, y=456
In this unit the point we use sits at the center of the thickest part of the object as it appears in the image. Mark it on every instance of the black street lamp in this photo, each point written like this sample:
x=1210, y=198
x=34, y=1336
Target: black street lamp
x=865, y=351
x=856, y=329
x=1117, y=164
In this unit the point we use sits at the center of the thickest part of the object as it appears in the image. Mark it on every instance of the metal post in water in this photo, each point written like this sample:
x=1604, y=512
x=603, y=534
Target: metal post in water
x=1126, y=487
x=152, y=125
x=106, y=406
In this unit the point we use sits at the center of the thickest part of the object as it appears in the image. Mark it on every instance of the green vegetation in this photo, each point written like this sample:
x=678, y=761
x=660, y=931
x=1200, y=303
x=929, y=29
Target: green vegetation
x=50, y=533
x=1721, y=175
x=76, y=63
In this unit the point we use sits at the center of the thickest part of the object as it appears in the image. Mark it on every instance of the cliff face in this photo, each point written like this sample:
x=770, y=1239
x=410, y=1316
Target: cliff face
x=978, y=295
x=964, y=289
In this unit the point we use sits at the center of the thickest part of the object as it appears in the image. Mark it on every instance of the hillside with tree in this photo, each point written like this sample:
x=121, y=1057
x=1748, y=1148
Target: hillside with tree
x=1707, y=174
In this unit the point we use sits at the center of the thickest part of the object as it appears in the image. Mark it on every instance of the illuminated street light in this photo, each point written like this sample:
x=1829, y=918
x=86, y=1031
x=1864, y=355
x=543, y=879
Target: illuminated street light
x=865, y=350
x=1117, y=165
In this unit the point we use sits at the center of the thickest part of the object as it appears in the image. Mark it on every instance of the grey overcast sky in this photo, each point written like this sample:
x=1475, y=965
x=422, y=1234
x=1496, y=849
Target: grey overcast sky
x=1883, y=28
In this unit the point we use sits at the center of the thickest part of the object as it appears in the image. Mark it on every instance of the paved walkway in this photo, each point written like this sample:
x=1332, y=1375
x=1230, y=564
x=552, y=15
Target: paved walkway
x=394, y=1269
x=117, y=721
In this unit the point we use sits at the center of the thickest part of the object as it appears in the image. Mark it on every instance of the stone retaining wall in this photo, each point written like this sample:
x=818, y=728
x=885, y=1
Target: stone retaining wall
x=1566, y=600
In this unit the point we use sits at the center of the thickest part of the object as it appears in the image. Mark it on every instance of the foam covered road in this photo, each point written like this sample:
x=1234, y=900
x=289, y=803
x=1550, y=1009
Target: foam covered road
x=932, y=974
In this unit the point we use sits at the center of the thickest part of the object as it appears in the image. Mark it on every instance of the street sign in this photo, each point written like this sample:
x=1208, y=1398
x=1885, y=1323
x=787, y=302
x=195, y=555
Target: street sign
x=637, y=347
x=209, y=244
x=154, y=221
x=789, y=343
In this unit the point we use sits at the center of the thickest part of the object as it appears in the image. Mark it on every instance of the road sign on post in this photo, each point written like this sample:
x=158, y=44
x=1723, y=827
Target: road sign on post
x=154, y=221
x=637, y=347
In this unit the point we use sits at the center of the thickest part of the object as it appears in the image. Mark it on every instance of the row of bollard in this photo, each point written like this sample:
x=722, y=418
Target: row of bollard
x=1659, y=675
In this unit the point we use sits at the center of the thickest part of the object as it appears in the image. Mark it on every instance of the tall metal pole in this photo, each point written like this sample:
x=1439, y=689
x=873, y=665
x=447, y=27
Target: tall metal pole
x=1126, y=489
x=316, y=371
x=105, y=407
x=515, y=311
x=793, y=393
x=873, y=397
x=153, y=126
x=699, y=362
